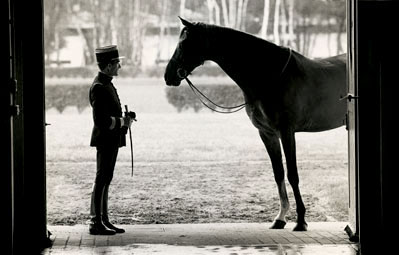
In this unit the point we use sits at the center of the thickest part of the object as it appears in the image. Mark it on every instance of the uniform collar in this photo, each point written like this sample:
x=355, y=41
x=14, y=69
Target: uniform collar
x=103, y=78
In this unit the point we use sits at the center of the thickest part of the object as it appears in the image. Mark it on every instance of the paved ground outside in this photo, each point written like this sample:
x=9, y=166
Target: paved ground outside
x=225, y=238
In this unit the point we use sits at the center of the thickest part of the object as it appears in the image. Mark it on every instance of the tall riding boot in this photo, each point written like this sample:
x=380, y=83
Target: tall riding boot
x=105, y=218
x=96, y=226
x=96, y=200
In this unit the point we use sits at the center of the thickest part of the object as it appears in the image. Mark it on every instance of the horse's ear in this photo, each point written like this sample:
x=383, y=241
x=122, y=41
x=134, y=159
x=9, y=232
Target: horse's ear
x=185, y=22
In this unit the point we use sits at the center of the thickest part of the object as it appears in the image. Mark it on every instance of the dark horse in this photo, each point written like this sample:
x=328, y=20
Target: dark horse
x=284, y=91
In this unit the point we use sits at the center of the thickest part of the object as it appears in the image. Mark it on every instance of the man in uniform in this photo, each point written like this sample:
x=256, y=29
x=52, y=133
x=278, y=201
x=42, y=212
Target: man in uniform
x=108, y=134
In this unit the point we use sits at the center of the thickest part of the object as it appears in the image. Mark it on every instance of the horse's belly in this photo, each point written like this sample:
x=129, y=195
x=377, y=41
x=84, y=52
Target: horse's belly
x=323, y=119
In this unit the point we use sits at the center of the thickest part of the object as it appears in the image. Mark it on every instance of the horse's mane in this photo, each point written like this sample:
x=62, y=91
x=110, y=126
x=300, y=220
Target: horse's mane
x=215, y=29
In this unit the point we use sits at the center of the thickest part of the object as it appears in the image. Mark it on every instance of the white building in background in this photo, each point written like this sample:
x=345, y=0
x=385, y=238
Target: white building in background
x=157, y=49
x=71, y=54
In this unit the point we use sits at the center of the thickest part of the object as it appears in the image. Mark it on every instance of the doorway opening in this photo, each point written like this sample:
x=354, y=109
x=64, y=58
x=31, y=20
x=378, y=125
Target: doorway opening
x=191, y=165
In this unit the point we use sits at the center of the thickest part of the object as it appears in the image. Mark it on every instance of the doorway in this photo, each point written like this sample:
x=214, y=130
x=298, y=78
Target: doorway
x=75, y=115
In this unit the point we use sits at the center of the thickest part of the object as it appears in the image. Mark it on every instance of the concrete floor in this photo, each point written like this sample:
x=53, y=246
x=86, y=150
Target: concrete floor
x=232, y=238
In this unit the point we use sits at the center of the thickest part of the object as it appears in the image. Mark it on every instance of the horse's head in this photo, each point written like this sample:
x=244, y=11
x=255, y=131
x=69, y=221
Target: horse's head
x=187, y=56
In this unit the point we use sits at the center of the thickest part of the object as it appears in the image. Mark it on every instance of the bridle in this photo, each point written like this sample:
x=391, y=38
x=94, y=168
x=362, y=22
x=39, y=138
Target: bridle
x=183, y=74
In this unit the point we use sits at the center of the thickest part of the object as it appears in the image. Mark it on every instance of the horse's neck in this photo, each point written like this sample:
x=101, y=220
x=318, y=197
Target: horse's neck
x=244, y=57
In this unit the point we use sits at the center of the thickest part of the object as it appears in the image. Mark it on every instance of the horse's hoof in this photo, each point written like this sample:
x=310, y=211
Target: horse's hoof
x=301, y=226
x=278, y=224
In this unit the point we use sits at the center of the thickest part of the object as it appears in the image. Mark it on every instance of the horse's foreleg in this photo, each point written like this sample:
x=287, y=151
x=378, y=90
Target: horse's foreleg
x=272, y=145
x=288, y=141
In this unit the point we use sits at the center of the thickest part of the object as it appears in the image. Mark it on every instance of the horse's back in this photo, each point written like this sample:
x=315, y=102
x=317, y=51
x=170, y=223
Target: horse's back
x=334, y=66
x=333, y=70
x=338, y=59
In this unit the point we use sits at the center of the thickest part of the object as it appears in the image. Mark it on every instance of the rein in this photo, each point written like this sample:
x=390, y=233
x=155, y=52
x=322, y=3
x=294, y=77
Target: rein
x=182, y=73
x=198, y=93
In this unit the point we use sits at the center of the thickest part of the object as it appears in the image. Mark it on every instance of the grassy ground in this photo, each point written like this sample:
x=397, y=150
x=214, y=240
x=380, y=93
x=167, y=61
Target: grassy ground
x=189, y=168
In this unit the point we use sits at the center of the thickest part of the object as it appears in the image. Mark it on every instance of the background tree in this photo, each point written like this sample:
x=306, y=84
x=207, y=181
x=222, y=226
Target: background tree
x=55, y=11
x=291, y=23
x=336, y=11
x=309, y=15
x=265, y=20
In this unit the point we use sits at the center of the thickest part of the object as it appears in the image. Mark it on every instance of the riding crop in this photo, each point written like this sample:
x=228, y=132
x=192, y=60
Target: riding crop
x=130, y=136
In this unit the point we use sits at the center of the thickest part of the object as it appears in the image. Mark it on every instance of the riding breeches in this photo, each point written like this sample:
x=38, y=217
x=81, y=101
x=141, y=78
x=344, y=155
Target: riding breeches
x=106, y=159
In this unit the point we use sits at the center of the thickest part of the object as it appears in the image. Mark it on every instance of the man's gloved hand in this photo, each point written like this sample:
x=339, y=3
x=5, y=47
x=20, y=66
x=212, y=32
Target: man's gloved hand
x=132, y=115
x=127, y=121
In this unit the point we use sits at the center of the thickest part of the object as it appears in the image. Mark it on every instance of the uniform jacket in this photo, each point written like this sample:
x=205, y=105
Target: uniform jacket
x=107, y=112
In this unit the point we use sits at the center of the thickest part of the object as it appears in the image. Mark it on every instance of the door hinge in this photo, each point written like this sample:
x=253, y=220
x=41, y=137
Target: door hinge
x=12, y=86
x=14, y=109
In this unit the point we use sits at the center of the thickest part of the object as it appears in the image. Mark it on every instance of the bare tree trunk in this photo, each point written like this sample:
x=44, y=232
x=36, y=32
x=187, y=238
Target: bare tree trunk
x=93, y=6
x=225, y=14
x=181, y=10
x=57, y=47
x=233, y=13
x=302, y=38
x=312, y=43
x=291, y=23
x=329, y=36
x=341, y=26
x=138, y=31
x=244, y=15
x=284, y=23
x=309, y=39
x=214, y=12
x=217, y=12
x=305, y=40
x=239, y=13
x=123, y=15
x=114, y=30
x=162, y=28
x=210, y=4
x=86, y=52
x=265, y=22
x=276, y=23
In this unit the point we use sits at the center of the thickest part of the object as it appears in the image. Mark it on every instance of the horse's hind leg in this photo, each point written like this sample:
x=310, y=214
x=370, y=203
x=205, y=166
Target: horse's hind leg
x=288, y=141
x=272, y=145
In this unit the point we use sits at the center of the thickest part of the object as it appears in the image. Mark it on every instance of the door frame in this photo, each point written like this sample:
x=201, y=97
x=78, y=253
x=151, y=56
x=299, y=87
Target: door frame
x=23, y=116
x=375, y=77
x=352, y=121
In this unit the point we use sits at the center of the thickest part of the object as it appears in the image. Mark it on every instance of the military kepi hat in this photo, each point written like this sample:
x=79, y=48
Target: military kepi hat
x=107, y=54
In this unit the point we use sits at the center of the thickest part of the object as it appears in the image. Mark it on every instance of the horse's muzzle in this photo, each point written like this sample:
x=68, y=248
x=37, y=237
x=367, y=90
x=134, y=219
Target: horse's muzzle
x=171, y=75
x=173, y=83
x=175, y=80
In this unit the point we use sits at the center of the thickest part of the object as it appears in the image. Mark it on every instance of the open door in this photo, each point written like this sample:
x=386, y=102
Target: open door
x=22, y=114
x=8, y=109
x=352, y=123
x=372, y=123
